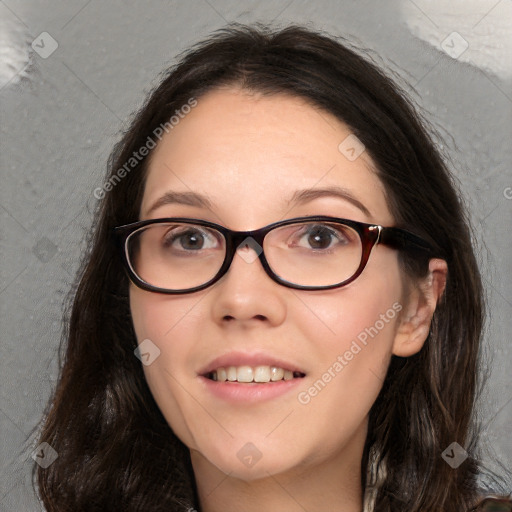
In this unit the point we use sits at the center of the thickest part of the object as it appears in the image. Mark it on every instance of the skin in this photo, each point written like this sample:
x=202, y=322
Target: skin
x=248, y=154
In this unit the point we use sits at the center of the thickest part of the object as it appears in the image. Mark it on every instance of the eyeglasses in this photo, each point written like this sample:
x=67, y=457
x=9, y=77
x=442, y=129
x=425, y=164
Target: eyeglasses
x=183, y=255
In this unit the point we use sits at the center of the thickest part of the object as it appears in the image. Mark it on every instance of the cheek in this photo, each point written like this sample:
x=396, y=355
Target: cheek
x=354, y=331
x=155, y=315
x=364, y=310
x=162, y=320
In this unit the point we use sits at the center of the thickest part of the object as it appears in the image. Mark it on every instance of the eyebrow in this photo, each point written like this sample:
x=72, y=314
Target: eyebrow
x=299, y=197
x=309, y=194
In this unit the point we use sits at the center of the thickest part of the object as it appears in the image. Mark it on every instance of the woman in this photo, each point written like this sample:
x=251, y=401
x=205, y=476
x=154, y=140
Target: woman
x=281, y=308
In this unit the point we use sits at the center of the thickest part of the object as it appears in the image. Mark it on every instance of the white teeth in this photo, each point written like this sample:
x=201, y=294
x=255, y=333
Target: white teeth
x=230, y=373
x=252, y=374
x=244, y=374
x=222, y=374
x=262, y=374
x=276, y=373
x=288, y=375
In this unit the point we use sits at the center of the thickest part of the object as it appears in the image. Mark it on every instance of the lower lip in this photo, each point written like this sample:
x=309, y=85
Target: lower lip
x=251, y=391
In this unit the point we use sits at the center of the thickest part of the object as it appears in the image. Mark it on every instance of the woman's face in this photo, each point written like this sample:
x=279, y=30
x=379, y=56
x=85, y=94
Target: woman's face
x=249, y=155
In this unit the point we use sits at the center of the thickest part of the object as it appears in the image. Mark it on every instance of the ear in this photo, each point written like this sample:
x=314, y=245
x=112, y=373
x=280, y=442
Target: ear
x=415, y=320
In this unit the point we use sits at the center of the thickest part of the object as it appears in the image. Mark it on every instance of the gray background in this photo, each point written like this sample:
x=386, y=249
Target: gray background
x=61, y=115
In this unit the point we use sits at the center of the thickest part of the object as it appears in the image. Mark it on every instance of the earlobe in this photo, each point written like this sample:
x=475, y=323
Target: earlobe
x=414, y=324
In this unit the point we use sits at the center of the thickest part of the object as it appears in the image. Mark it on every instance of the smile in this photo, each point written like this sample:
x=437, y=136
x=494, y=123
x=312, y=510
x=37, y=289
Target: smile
x=257, y=374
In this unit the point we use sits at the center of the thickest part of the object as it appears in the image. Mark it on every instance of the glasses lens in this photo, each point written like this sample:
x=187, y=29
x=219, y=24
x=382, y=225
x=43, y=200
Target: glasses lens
x=176, y=256
x=314, y=254
x=180, y=256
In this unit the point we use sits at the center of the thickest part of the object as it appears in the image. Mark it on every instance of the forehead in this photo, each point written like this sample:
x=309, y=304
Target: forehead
x=250, y=153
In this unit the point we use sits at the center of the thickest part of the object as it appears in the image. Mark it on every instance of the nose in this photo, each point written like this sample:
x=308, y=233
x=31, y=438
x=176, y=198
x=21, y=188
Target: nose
x=248, y=250
x=246, y=292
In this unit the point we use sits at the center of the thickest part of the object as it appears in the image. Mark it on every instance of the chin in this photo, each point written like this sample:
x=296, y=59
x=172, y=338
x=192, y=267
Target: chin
x=247, y=462
x=259, y=471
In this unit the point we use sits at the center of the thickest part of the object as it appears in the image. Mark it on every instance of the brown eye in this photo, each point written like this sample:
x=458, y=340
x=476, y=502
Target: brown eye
x=189, y=239
x=322, y=236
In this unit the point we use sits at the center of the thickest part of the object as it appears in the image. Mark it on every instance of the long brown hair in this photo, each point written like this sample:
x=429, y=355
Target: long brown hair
x=115, y=449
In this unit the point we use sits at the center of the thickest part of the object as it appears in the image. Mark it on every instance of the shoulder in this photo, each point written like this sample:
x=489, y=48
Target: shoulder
x=493, y=504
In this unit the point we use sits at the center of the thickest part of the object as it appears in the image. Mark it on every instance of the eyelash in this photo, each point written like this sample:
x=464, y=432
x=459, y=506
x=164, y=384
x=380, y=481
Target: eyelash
x=171, y=236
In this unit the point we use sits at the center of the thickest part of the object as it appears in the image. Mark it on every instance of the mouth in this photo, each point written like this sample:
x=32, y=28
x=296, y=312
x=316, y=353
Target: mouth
x=253, y=374
x=246, y=379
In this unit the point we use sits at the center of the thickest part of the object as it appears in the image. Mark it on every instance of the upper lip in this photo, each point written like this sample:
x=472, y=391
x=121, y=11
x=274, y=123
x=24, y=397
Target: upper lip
x=246, y=359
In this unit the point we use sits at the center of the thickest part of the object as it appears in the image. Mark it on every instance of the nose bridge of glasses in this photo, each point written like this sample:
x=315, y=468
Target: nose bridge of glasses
x=243, y=241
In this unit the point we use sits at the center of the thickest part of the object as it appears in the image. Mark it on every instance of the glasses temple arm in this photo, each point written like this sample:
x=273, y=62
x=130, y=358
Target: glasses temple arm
x=401, y=239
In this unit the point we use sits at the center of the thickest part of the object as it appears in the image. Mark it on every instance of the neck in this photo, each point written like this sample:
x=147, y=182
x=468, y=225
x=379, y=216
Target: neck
x=333, y=485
